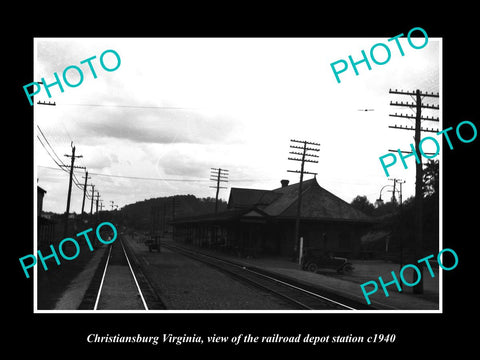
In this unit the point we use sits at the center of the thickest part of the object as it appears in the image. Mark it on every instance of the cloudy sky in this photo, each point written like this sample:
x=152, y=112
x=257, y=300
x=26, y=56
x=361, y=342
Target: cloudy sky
x=177, y=107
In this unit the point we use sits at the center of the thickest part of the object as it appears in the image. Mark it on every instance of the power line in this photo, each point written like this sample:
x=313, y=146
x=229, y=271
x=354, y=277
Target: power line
x=55, y=161
x=62, y=166
x=77, y=183
x=48, y=143
x=145, y=178
x=133, y=177
x=153, y=178
x=134, y=106
x=58, y=161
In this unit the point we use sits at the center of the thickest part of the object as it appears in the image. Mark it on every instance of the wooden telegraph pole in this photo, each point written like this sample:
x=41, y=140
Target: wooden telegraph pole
x=93, y=195
x=86, y=177
x=417, y=105
x=306, y=146
x=72, y=166
x=218, y=175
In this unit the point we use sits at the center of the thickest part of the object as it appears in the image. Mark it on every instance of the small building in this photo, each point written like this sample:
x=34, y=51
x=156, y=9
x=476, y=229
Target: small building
x=262, y=222
x=40, y=195
x=45, y=226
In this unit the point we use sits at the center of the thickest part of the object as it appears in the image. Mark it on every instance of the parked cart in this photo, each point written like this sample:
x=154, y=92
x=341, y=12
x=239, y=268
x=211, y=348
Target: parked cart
x=153, y=243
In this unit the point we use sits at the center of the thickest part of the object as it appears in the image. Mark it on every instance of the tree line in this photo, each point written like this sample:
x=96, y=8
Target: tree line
x=398, y=220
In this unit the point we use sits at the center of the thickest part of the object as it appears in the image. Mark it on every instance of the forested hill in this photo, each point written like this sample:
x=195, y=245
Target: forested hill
x=137, y=215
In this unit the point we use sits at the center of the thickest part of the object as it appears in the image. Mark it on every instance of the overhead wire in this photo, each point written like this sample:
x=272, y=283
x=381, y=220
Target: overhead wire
x=54, y=160
x=158, y=179
x=134, y=106
x=58, y=161
x=50, y=146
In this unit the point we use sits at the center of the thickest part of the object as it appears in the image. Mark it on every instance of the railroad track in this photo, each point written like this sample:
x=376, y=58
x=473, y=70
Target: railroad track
x=301, y=296
x=120, y=284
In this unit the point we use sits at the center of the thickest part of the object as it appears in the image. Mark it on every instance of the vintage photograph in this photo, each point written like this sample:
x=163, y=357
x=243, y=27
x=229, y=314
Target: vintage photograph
x=283, y=175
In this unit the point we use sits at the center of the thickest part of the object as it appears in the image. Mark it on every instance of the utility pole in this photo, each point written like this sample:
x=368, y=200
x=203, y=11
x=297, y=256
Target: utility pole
x=96, y=202
x=45, y=103
x=218, y=175
x=417, y=106
x=72, y=166
x=312, y=147
x=113, y=205
x=93, y=195
x=394, y=199
x=400, y=230
x=401, y=182
x=86, y=177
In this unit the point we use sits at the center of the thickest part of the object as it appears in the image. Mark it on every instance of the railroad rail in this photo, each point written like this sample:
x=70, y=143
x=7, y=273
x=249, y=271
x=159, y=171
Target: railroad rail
x=301, y=296
x=120, y=284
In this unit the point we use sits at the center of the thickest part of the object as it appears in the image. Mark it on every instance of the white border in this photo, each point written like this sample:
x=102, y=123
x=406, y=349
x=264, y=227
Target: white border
x=35, y=199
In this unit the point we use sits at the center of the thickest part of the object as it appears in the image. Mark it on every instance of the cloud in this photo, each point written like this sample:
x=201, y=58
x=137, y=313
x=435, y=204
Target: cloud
x=185, y=160
x=98, y=158
x=241, y=102
x=154, y=126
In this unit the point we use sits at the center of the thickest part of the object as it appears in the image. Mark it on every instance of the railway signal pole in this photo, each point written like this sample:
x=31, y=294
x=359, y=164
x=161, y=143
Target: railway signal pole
x=417, y=105
x=304, y=157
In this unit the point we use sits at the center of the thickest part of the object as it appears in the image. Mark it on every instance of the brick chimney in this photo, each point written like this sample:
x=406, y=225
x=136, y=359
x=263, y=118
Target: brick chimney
x=284, y=183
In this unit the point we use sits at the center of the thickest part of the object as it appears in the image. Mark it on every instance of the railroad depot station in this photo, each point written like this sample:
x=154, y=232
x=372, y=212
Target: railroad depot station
x=262, y=222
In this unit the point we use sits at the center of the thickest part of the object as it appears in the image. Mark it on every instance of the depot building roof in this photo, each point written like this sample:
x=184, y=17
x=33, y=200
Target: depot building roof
x=317, y=203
